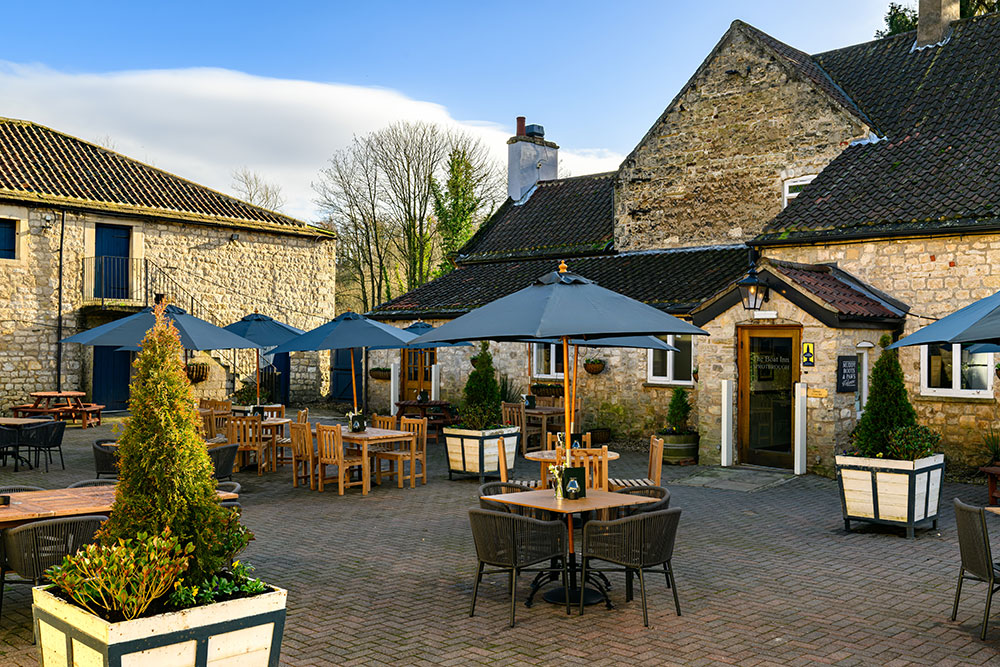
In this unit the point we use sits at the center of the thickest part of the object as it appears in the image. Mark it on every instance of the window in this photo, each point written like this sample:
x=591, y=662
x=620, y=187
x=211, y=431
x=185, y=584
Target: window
x=955, y=370
x=664, y=367
x=548, y=361
x=8, y=239
x=793, y=187
x=861, y=393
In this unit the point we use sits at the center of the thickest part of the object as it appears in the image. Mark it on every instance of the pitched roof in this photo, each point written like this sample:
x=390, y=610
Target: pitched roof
x=567, y=216
x=674, y=280
x=842, y=292
x=38, y=164
x=937, y=169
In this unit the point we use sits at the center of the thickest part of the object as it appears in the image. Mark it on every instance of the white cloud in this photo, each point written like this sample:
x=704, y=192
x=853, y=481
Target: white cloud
x=203, y=123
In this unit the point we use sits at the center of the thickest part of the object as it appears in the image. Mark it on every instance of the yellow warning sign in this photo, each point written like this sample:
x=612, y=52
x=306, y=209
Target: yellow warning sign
x=808, y=354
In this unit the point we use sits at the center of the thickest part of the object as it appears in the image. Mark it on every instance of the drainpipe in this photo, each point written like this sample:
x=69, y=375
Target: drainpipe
x=59, y=308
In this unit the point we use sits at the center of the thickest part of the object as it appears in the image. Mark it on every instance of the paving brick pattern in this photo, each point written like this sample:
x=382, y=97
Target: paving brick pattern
x=765, y=578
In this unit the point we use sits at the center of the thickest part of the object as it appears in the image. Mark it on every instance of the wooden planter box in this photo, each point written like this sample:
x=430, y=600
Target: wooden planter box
x=475, y=452
x=244, y=632
x=680, y=449
x=380, y=374
x=593, y=368
x=889, y=491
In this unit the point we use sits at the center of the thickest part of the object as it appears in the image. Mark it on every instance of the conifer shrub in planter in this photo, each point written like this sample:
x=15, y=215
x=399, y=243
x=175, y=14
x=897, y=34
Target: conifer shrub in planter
x=891, y=474
x=158, y=587
x=472, y=444
x=680, y=441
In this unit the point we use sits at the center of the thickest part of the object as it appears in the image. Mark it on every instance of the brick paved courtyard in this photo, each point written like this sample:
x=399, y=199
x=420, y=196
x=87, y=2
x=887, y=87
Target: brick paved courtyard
x=765, y=578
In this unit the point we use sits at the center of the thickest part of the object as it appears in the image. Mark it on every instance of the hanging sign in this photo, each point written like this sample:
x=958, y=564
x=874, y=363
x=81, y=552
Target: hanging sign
x=847, y=374
x=808, y=354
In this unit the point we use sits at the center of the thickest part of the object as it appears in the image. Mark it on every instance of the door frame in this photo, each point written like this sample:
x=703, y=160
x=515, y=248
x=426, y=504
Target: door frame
x=743, y=335
x=423, y=369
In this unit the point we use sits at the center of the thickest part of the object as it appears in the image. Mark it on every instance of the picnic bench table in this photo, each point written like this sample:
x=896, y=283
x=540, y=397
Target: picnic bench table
x=436, y=420
x=70, y=406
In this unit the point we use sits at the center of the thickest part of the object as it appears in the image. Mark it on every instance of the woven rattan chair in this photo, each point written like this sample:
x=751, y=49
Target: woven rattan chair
x=513, y=414
x=661, y=495
x=246, y=434
x=303, y=455
x=977, y=559
x=42, y=438
x=230, y=487
x=92, y=482
x=223, y=460
x=105, y=458
x=515, y=544
x=494, y=488
x=13, y=488
x=387, y=422
x=635, y=544
x=654, y=471
x=398, y=458
x=31, y=549
x=331, y=452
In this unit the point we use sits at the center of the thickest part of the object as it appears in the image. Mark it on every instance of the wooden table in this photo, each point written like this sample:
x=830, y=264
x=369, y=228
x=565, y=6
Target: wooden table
x=545, y=499
x=547, y=457
x=422, y=406
x=544, y=413
x=435, y=420
x=381, y=437
x=992, y=473
x=73, y=406
x=270, y=425
x=28, y=506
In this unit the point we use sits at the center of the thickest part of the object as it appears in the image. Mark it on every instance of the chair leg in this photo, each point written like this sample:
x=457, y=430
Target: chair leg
x=642, y=592
x=565, y=570
x=322, y=474
x=583, y=582
x=673, y=586
x=513, y=594
x=986, y=614
x=475, y=588
x=3, y=578
x=629, y=579
x=61, y=461
x=958, y=592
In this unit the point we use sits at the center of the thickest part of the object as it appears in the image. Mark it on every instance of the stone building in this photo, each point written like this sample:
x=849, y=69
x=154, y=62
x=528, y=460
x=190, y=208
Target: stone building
x=88, y=235
x=865, y=181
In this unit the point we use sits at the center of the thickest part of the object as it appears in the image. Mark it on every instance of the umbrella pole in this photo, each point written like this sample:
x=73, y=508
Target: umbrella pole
x=572, y=405
x=258, y=376
x=566, y=389
x=354, y=386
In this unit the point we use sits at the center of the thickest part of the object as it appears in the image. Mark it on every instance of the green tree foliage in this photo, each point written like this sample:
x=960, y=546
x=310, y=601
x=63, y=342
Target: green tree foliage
x=888, y=407
x=482, y=393
x=165, y=475
x=902, y=18
x=455, y=206
x=678, y=410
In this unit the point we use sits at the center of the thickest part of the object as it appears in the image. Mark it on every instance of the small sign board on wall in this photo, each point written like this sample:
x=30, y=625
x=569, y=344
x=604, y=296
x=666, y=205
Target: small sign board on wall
x=808, y=354
x=847, y=374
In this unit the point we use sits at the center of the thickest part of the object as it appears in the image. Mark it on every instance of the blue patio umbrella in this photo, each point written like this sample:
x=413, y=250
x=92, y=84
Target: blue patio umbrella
x=561, y=305
x=420, y=328
x=266, y=332
x=979, y=322
x=348, y=331
x=195, y=333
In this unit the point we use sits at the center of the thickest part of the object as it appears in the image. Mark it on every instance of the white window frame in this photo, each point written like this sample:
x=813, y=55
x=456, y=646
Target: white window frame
x=787, y=196
x=956, y=362
x=550, y=373
x=667, y=379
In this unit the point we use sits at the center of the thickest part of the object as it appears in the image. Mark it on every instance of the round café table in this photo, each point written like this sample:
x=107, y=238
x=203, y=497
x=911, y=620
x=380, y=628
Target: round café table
x=547, y=457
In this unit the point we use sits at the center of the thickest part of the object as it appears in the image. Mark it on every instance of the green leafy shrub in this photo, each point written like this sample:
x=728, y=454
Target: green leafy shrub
x=677, y=413
x=119, y=581
x=165, y=475
x=481, y=408
x=888, y=407
x=235, y=583
x=510, y=392
x=247, y=394
x=991, y=444
x=614, y=416
x=909, y=443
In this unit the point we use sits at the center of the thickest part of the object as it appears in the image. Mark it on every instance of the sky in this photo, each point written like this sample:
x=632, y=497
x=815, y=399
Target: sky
x=203, y=88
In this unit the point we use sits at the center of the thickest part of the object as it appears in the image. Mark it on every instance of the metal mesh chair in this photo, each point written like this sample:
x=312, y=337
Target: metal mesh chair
x=31, y=549
x=8, y=444
x=105, y=458
x=223, y=460
x=636, y=543
x=92, y=482
x=513, y=544
x=229, y=487
x=51, y=441
x=18, y=489
x=977, y=559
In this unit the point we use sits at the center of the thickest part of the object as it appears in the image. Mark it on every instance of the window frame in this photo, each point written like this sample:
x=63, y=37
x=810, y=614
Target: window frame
x=956, y=361
x=16, y=228
x=668, y=379
x=787, y=196
x=550, y=373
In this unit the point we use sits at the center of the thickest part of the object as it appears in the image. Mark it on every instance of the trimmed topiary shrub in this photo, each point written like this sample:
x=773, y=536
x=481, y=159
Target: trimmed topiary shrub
x=482, y=393
x=677, y=413
x=888, y=407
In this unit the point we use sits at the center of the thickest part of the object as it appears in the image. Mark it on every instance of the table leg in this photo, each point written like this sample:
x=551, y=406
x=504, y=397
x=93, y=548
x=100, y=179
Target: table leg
x=366, y=479
x=558, y=595
x=543, y=474
x=413, y=462
x=992, y=481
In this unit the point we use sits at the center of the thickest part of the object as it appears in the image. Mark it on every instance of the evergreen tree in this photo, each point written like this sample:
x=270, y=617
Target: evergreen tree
x=165, y=475
x=888, y=407
x=455, y=206
x=678, y=410
x=901, y=18
x=482, y=393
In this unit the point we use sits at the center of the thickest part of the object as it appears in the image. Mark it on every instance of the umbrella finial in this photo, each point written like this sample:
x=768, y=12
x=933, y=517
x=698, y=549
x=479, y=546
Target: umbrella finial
x=562, y=266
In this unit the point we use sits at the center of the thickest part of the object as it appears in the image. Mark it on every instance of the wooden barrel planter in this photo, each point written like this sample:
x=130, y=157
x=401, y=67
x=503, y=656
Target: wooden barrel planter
x=680, y=449
x=593, y=367
x=380, y=373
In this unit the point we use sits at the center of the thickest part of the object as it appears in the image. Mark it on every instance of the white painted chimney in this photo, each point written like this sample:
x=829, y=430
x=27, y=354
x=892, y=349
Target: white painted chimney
x=934, y=21
x=530, y=158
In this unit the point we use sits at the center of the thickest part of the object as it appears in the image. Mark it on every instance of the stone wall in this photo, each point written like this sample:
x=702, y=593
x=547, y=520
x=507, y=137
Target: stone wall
x=289, y=278
x=935, y=277
x=711, y=169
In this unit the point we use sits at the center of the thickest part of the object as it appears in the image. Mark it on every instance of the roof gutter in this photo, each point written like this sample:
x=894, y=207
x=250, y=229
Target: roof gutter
x=859, y=237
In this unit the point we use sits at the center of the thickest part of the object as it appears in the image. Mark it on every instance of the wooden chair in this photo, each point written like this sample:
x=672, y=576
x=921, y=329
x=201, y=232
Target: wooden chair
x=205, y=403
x=398, y=457
x=552, y=441
x=331, y=452
x=246, y=432
x=279, y=439
x=303, y=416
x=210, y=429
x=653, y=472
x=502, y=465
x=595, y=465
x=387, y=422
x=513, y=414
x=303, y=454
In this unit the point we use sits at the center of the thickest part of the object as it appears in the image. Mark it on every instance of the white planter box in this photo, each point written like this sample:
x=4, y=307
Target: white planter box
x=890, y=491
x=475, y=452
x=245, y=632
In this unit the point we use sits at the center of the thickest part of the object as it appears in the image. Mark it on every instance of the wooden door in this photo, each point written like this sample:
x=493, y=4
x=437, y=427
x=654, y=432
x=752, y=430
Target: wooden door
x=768, y=365
x=417, y=372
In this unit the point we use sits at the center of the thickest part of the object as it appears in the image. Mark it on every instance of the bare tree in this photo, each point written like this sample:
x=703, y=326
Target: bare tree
x=251, y=187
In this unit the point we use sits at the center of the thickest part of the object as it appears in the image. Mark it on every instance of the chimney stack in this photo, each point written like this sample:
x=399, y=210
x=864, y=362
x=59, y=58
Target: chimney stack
x=530, y=158
x=934, y=21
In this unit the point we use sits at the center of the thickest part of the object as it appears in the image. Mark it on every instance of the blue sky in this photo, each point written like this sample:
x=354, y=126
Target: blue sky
x=156, y=77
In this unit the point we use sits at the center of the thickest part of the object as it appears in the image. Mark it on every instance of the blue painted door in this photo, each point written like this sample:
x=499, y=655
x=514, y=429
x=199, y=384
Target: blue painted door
x=282, y=364
x=111, y=377
x=341, y=375
x=112, y=269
